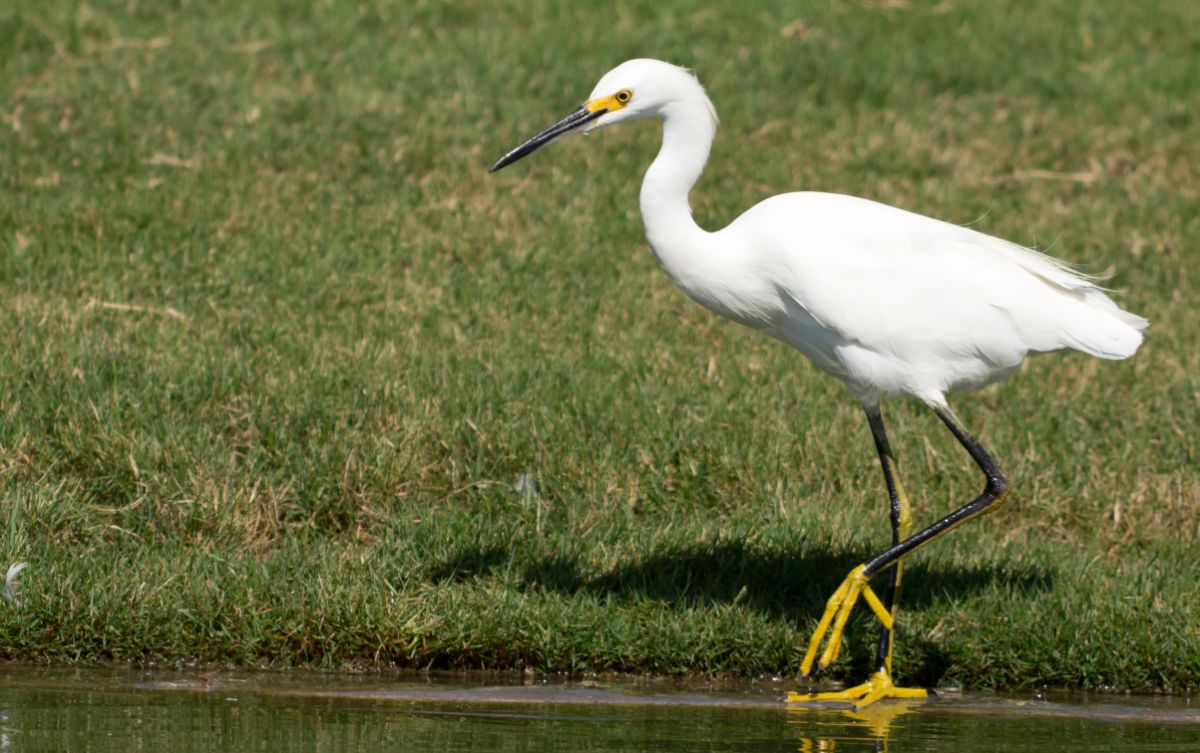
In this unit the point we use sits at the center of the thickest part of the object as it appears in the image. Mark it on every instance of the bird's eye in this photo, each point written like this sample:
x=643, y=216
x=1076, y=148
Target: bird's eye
x=624, y=96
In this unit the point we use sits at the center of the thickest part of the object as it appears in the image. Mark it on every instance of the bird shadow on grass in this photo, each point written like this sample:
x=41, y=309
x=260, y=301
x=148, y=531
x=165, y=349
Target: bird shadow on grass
x=788, y=584
x=470, y=562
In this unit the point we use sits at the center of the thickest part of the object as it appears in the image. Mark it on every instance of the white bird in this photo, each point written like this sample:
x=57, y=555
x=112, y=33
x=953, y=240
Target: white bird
x=888, y=301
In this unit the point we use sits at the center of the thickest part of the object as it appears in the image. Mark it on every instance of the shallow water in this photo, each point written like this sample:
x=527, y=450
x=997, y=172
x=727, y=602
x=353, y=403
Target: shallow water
x=126, y=709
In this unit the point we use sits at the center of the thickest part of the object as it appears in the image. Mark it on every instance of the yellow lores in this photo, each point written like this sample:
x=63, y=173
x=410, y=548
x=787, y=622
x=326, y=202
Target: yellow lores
x=610, y=103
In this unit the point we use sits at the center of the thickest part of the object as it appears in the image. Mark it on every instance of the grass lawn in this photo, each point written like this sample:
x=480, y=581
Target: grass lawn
x=278, y=355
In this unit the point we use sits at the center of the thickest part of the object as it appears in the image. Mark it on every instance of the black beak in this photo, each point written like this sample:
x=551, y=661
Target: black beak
x=577, y=118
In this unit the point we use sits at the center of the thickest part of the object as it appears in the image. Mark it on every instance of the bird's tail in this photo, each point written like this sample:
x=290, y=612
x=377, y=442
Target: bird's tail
x=1101, y=328
x=1089, y=321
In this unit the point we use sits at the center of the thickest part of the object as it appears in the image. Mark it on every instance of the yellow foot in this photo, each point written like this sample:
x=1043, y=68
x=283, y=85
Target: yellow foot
x=877, y=688
x=839, y=605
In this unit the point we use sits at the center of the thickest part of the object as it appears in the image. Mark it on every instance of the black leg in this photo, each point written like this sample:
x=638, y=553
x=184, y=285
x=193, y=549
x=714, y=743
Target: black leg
x=901, y=518
x=992, y=497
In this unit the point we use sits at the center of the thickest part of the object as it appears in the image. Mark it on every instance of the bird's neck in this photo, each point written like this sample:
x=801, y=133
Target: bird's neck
x=688, y=131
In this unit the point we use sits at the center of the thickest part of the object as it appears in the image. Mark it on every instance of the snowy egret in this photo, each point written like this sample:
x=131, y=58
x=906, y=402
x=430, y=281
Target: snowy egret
x=888, y=301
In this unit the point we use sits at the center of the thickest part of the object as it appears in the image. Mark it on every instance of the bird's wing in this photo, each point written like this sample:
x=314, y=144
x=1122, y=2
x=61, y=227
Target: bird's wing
x=924, y=290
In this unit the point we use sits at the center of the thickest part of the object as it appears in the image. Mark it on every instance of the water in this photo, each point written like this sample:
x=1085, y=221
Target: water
x=126, y=710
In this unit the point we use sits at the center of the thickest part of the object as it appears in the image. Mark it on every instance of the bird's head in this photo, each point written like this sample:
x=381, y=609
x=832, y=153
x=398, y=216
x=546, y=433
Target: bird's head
x=634, y=89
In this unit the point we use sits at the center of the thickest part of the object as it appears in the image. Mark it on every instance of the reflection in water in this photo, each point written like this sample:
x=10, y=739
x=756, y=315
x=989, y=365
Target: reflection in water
x=822, y=727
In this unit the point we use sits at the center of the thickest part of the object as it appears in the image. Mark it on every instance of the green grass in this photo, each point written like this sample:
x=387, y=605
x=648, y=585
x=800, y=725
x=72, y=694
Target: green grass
x=275, y=349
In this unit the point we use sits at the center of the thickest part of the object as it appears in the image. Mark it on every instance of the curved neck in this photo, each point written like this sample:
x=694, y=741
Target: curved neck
x=689, y=127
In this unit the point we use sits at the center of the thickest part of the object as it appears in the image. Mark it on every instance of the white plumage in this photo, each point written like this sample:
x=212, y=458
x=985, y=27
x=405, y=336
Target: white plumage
x=891, y=301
